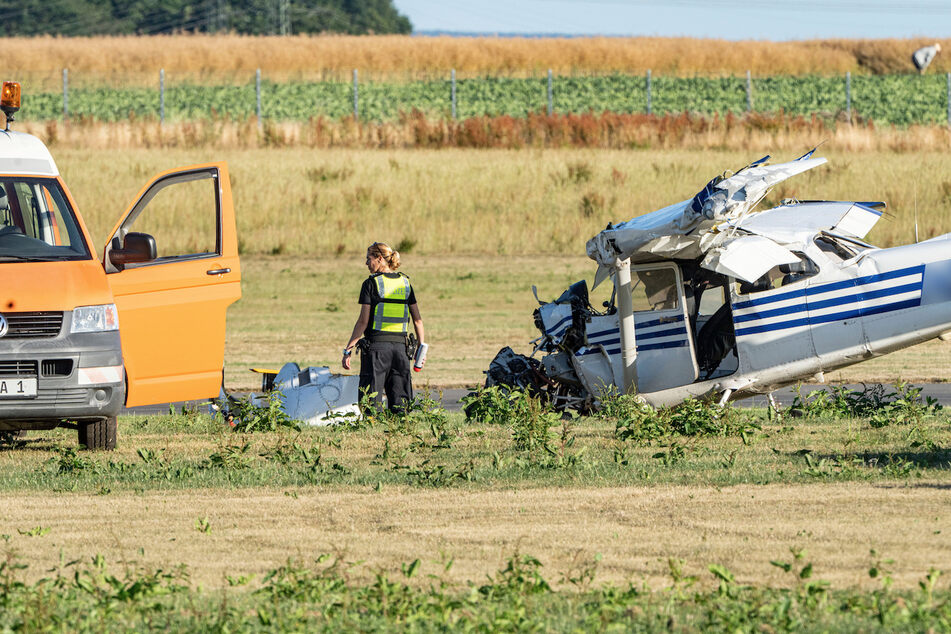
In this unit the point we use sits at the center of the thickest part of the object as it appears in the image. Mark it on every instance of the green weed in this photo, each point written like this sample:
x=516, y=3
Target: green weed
x=231, y=457
x=249, y=418
x=84, y=595
x=902, y=406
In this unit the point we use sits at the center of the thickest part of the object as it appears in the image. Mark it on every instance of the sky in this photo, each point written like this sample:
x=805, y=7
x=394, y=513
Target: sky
x=774, y=20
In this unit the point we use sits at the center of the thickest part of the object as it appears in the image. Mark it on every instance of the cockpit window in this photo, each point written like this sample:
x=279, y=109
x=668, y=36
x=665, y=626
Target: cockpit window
x=780, y=276
x=655, y=289
x=835, y=248
x=37, y=223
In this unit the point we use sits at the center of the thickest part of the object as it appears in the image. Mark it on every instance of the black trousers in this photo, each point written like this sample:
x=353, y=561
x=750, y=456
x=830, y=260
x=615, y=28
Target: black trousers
x=385, y=369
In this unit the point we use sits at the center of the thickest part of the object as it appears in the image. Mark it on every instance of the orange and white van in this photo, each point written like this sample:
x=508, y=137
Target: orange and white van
x=80, y=337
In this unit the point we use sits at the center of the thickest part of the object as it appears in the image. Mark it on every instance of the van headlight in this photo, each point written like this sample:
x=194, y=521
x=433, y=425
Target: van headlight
x=95, y=318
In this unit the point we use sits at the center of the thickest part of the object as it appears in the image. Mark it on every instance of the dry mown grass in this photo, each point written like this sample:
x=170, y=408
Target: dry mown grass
x=132, y=59
x=635, y=529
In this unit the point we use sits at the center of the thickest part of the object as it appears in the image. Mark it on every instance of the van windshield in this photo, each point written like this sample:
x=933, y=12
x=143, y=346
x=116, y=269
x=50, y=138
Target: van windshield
x=37, y=223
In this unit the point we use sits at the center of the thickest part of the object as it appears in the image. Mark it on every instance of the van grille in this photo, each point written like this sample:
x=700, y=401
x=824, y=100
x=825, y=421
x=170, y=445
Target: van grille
x=33, y=325
x=17, y=368
x=56, y=367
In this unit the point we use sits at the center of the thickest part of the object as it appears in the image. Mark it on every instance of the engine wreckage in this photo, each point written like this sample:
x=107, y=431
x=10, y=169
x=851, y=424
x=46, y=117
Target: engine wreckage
x=712, y=298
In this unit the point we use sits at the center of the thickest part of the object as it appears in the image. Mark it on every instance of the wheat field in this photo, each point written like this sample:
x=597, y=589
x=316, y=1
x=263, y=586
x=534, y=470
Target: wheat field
x=137, y=59
x=335, y=201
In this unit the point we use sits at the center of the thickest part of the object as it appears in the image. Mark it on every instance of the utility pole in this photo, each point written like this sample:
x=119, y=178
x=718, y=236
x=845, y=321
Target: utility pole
x=285, y=18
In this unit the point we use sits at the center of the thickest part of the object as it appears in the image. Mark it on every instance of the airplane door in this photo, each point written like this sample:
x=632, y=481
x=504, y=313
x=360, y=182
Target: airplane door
x=835, y=320
x=771, y=317
x=172, y=302
x=665, y=354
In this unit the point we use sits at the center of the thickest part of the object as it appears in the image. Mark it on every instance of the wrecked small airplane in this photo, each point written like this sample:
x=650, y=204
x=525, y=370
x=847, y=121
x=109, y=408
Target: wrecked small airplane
x=713, y=299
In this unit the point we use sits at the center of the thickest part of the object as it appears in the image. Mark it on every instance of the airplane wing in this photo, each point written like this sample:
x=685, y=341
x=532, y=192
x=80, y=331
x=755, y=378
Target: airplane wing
x=677, y=231
x=747, y=257
x=800, y=221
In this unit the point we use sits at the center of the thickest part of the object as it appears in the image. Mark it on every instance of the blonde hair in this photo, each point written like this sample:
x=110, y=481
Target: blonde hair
x=391, y=257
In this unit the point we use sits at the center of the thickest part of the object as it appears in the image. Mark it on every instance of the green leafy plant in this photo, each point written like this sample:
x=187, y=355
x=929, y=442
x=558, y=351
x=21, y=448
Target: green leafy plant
x=36, y=531
x=531, y=423
x=231, y=457
x=495, y=404
x=904, y=405
x=67, y=460
x=202, y=525
x=249, y=417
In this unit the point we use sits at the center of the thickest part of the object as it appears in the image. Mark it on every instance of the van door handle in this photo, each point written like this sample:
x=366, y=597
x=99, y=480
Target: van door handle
x=217, y=271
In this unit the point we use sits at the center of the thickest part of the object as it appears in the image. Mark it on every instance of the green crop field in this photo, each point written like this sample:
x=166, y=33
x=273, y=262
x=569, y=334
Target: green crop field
x=886, y=99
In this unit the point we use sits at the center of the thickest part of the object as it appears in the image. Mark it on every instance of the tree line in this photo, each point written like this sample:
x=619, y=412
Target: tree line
x=147, y=17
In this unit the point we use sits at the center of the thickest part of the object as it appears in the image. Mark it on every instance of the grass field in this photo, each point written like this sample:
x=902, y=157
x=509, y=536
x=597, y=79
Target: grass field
x=853, y=508
x=327, y=202
x=303, y=309
x=800, y=524
x=476, y=229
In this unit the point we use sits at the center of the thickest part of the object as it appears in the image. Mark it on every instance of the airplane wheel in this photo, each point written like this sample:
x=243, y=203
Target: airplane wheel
x=99, y=434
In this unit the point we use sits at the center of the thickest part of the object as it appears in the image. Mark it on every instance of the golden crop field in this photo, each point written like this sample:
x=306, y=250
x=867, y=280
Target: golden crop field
x=138, y=58
x=335, y=201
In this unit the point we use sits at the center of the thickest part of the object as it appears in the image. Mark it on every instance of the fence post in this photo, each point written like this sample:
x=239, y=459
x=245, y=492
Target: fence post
x=453, y=93
x=161, y=82
x=549, y=92
x=848, y=95
x=749, y=92
x=257, y=95
x=356, y=96
x=65, y=93
x=649, y=105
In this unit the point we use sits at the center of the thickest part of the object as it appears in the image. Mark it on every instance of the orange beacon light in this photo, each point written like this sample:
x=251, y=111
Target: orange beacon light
x=10, y=99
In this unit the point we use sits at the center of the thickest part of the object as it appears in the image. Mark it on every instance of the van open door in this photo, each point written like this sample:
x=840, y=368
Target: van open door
x=172, y=262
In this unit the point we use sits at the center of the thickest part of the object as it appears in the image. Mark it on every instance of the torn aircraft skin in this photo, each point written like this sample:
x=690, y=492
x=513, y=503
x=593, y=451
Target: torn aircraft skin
x=313, y=396
x=714, y=298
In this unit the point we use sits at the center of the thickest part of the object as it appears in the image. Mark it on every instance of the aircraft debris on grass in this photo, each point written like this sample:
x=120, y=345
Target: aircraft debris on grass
x=313, y=396
x=713, y=298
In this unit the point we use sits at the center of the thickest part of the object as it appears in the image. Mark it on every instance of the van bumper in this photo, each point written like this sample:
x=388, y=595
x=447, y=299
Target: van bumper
x=79, y=378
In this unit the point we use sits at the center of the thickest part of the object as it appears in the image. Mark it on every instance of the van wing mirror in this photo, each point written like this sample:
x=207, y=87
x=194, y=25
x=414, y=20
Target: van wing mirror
x=136, y=247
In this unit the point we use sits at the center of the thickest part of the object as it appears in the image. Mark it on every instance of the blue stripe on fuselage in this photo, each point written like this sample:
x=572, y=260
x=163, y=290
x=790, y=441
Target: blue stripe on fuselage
x=831, y=286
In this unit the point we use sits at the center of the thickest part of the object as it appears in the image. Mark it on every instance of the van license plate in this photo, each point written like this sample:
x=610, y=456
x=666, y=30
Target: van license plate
x=18, y=387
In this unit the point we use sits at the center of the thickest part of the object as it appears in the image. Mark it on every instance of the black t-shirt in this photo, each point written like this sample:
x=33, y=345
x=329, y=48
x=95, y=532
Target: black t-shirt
x=369, y=295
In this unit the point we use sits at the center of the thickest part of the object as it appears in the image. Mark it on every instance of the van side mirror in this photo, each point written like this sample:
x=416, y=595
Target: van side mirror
x=137, y=247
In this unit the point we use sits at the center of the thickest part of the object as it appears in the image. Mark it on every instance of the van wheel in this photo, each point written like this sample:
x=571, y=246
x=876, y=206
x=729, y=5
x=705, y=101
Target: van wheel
x=100, y=434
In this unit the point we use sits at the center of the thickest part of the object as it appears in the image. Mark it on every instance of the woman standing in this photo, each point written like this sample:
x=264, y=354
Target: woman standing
x=387, y=304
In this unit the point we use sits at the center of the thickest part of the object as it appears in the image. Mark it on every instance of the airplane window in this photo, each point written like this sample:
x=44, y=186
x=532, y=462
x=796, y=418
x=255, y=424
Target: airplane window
x=834, y=248
x=780, y=276
x=656, y=289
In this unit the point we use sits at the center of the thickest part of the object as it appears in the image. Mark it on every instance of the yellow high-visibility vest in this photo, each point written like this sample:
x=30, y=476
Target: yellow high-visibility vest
x=392, y=313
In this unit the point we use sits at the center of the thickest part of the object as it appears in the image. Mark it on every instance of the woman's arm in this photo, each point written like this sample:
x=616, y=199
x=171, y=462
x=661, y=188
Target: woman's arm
x=417, y=325
x=417, y=322
x=358, y=328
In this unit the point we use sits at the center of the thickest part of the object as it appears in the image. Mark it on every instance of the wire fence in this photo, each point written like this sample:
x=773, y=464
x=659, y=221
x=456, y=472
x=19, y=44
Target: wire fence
x=888, y=99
